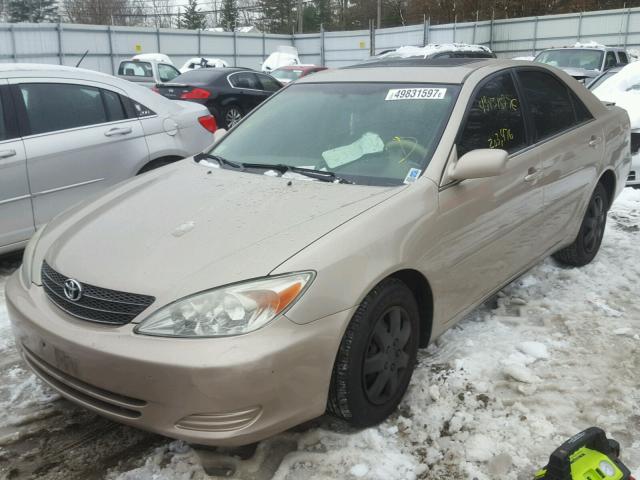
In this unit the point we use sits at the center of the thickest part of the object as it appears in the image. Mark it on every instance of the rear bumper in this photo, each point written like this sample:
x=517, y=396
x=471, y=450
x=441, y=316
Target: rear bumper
x=227, y=391
x=633, y=179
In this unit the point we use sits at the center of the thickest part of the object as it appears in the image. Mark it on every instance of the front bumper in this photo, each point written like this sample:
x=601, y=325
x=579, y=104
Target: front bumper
x=226, y=391
x=634, y=173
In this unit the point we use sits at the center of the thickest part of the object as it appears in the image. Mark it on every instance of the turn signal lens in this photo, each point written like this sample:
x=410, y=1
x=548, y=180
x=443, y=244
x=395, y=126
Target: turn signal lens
x=208, y=122
x=196, y=94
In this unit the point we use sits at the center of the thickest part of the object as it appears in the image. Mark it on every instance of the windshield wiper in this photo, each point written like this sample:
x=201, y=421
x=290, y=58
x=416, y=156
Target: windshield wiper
x=221, y=160
x=321, y=175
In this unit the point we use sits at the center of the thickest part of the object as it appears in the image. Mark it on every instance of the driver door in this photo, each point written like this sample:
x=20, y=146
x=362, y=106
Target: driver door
x=492, y=224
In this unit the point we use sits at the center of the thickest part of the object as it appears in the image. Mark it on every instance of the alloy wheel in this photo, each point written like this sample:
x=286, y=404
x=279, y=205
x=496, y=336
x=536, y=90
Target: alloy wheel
x=233, y=116
x=594, y=223
x=387, y=356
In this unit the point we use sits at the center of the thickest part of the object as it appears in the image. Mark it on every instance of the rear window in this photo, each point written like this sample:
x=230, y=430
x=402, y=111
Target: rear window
x=587, y=59
x=135, y=69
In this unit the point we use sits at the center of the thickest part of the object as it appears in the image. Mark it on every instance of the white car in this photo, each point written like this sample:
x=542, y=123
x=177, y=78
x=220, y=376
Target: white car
x=282, y=57
x=69, y=133
x=623, y=89
x=202, y=62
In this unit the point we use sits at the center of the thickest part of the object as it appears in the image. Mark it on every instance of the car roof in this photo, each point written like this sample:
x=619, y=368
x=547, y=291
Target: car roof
x=19, y=69
x=449, y=70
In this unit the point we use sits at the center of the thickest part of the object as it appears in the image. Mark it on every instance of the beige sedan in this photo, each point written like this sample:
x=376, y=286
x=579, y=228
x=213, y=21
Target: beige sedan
x=297, y=267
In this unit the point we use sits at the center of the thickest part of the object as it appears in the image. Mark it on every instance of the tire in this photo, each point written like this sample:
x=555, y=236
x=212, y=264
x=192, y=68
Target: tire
x=586, y=245
x=232, y=115
x=365, y=398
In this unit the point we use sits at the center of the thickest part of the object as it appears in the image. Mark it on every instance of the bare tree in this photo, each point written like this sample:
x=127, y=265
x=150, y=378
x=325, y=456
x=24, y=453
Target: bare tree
x=161, y=14
x=102, y=12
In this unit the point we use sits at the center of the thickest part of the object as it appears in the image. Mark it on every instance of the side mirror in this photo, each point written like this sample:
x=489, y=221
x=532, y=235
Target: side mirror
x=218, y=134
x=480, y=163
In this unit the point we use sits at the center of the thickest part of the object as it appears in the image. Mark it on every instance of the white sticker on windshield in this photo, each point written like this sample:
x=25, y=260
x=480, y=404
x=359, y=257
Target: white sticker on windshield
x=416, y=94
x=412, y=175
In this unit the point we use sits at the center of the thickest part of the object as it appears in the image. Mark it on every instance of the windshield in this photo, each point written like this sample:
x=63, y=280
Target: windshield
x=287, y=74
x=572, y=58
x=368, y=133
x=598, y=81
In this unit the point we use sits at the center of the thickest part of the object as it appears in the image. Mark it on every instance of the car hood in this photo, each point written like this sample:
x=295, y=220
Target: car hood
x=186, y=228
x=581, y=73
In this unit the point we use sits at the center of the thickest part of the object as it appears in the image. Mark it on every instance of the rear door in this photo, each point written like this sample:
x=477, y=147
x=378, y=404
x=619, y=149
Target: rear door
x=251, y=93
x=78, y=141
x=492, y=224
x=16, y=216
x=570, y=144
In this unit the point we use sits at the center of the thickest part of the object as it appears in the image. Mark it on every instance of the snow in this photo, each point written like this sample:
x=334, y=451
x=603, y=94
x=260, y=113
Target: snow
x=555, y=352
x=623, y=89
x=590, y=44
x=412, y=51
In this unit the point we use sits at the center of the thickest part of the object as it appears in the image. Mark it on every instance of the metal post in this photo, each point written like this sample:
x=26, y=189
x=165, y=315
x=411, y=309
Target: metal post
x=322, y=59
x=235, y=48
x=626, y=33
x=475, y=29
x=60, y=49
x=14, y=53
x=372, y=37
x=199, y=42
x=455, y=22
x=158, y=39
x=579, y=26
x=493, y=12
x=535, y=37
x=379, y=14
x=428, y=29
x=264, y=47
x=300, y=16
x=424, y=30
x=113, y=67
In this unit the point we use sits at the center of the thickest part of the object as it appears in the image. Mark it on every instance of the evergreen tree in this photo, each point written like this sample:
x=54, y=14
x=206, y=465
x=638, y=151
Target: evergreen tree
x=229, y=20
x=192, y=18
x=34, y=11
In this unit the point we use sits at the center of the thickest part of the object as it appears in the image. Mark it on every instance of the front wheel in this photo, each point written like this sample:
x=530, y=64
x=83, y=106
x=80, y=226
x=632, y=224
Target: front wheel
x=376, y=356
x=586, y=245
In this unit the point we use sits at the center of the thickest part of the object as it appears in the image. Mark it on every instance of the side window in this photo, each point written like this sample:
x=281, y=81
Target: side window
x=269, y=84
x=582, y=112
x=135, y=109
x=622, y=56
x=245, y=80
x=56, y=106
x=549, y=103
x=113, y=106
x=167, y=72
x=610, y=60
x=135, y=69
x=495, y=119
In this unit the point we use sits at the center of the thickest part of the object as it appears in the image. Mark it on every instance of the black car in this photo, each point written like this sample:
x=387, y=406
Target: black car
x=228, y=93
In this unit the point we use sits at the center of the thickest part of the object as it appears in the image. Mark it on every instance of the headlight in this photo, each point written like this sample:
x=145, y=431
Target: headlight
x=225, y=311
x=27, y=257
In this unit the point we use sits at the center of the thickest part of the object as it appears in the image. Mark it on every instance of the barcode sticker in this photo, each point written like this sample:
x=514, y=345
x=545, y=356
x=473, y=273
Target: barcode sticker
x=416, y=94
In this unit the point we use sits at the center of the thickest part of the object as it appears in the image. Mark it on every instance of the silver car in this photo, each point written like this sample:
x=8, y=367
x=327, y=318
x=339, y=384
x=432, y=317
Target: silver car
x=67, y=133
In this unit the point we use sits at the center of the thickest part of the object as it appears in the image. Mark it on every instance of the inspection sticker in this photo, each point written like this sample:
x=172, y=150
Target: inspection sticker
x=416, y=94
x=412, y=175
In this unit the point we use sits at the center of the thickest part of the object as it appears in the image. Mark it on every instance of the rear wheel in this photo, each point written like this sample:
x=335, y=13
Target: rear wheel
x=232, y=115
x=586, y=245
x=376, y=356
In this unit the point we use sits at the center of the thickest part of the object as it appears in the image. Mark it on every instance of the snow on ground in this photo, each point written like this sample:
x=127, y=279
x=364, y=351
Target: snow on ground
x=557, y=351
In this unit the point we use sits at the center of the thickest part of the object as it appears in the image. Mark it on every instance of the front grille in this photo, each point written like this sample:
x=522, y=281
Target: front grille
x=635, y=142
x=97, y=304
x=82, y=392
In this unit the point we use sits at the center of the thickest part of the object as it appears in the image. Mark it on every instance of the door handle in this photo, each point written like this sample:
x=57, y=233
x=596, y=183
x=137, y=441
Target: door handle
x=594, y=142
x=118, y=131
x=532, y=174
x=7, y=153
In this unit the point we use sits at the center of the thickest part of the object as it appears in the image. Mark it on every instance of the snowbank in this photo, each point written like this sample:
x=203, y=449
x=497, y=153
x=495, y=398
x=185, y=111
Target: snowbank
x=623, y=89
x=411, y=51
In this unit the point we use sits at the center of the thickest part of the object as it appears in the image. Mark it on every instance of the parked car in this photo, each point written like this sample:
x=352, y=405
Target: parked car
x=202, y=62
x=147, y=72
x=228, y=93
x=621, y=86
x=283, y=56
x=352, y=218
x=291, y=73
x=584, y=62
x=432, y=51
x=68, y=133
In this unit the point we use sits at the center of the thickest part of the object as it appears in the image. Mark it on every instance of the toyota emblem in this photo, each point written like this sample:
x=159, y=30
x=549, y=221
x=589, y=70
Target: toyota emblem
x=72, y=290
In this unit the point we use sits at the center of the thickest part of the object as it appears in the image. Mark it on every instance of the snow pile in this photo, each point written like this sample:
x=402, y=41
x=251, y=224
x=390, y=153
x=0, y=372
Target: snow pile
x=590, y=44
x=424, y=52
x=623, y=89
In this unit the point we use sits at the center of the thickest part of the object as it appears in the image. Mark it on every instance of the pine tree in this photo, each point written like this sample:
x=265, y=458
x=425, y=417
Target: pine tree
x=192, y=18
x=229, y=20
x=34, y=11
